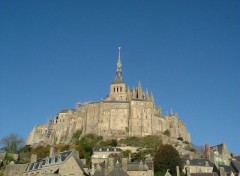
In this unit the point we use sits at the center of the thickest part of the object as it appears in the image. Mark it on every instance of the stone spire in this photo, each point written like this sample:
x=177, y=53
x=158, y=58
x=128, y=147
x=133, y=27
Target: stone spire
x=119, y=76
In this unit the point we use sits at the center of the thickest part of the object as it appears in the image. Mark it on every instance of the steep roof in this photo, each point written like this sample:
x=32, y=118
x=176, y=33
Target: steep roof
x=117, y=171
x=61, y=157
x=55, y=160
x=236, y=165
x=227, y=169
x=199, y=162
x=204, y=174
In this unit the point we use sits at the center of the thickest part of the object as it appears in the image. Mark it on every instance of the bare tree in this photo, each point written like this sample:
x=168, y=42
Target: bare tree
x=11, y=143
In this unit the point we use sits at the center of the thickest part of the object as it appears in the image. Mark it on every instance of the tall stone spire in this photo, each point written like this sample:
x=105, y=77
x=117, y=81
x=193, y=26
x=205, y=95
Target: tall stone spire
x=119, y=76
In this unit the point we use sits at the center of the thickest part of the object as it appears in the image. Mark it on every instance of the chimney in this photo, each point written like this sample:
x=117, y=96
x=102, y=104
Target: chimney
x=53, y=152
x=111, y=164
x=177, y=169
x=188, y=171
x=33, y=158
x=207, y=150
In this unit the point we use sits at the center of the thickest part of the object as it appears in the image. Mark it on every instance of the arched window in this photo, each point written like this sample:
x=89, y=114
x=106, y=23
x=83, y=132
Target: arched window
x=117, y=89
x=120, y=89
x=114, y=89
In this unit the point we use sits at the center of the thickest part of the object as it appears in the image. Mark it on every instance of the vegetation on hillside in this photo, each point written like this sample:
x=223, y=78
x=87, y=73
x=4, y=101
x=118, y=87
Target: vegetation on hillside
x=166, y=157
x=149, y=142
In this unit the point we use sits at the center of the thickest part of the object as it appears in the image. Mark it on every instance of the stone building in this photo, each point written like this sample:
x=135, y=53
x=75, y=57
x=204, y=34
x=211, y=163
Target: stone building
x=124, y=112
x=218, y=154
x=110, y=162
x=198, y=165
x=62, y=163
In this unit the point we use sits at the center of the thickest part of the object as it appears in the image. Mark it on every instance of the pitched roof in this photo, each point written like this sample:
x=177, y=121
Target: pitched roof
x=200, y=162
x=142, y=166
x=236, y=165
x=117, y=171
x=61, y=157
x=227, y=169
x=204, y=174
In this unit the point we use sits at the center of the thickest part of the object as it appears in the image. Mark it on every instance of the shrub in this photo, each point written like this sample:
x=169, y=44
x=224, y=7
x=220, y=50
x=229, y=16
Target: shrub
x=180, y=138
x=167, y=133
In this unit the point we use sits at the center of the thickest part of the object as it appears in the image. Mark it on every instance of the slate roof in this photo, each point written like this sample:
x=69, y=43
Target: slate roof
x=204, y=174
x=117, y=171
x=227, y=169
x=107, y=149
x=236, y=165
x=142, y=166
x=98, y=173
x=61, y=157
x=199, y=162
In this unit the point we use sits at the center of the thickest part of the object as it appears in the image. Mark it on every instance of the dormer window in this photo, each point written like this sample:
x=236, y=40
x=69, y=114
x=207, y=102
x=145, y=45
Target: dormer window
x=59, y=159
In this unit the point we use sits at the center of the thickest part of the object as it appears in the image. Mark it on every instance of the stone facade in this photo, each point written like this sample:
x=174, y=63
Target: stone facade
x=218, y=154
x=124, y=112
x=198, y=165
x=110, y=162
x=63, y=163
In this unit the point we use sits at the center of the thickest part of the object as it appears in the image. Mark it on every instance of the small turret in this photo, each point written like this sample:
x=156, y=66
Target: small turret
x=140, y=93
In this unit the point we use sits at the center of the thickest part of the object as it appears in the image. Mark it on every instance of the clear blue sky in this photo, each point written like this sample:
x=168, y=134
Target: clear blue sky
x=56, y=53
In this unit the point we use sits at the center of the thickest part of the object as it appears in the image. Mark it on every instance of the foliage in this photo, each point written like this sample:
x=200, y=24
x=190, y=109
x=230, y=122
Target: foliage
x=24, y=154
x=76, y=135
x=87, y=143
x=160, y=173
x=167, y=157
x=180, y=138
x=167, y=133
x=142, y=154
x=8, y=158
x=126, y=153
x=108, y=143
x=130, y=141
x=150, y=141
x=12, y=143
x=41, y=151
x=62, y=147
x=190, y=148
x=186, y=142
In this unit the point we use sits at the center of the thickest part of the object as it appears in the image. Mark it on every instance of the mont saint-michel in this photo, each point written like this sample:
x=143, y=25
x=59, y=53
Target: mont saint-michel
x=123, y=113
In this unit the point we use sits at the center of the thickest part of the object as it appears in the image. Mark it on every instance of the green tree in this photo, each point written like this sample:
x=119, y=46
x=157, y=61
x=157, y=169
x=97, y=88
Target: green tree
x=41, y=151
x=167, y=133
x=167, y=157
x=11, y=143
x=24, y=154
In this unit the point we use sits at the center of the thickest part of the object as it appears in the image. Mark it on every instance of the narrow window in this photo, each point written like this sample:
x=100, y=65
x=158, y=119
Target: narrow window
x=120, y=89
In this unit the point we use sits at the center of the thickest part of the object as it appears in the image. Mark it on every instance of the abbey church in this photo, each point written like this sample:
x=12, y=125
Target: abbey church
x=124, y=112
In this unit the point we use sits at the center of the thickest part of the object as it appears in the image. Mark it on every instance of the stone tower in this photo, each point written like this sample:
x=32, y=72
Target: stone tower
x=118, y=89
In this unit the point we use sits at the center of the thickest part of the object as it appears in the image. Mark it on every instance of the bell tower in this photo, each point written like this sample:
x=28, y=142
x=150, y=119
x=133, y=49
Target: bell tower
x=118, y=90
